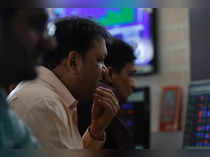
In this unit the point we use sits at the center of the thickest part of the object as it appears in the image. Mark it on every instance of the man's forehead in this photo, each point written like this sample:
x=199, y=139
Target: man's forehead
x=101, y=44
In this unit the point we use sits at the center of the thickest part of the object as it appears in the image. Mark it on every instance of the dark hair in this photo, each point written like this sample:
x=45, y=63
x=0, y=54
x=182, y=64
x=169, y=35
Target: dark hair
x=74, y=34
x=119, y=54
x=7, y=13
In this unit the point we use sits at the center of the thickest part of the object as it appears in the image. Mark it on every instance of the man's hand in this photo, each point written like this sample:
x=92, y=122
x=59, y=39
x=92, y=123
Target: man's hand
x=105, y=108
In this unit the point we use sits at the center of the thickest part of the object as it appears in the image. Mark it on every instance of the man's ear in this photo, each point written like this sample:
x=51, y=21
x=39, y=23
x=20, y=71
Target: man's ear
x=108, y=75
x=73, y=61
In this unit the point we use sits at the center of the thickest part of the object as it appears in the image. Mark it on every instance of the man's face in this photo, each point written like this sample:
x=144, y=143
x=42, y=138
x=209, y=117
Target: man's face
x=24, y=42
x=92, y=68
x=123, y=81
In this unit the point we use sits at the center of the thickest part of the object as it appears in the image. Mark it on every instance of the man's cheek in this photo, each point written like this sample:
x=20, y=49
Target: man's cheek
x=33, y=37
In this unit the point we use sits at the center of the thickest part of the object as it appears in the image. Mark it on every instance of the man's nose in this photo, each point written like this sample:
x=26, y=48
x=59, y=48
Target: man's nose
x=103, y=70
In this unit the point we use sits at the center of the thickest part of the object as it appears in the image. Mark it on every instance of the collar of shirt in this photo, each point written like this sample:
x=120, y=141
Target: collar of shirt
x=50, y=78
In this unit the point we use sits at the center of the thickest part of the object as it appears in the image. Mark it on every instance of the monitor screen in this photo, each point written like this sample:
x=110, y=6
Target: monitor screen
x=136, y=116
x=136, y=26
x=197, y=125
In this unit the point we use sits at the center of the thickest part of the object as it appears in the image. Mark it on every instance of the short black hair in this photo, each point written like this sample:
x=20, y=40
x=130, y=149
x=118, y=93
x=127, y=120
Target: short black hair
x=120, y=53
x=7, y=13
x=74, y=34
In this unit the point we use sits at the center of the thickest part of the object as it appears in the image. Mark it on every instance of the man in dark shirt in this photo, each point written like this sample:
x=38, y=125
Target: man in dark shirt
x=21, y=41
x=120, y=62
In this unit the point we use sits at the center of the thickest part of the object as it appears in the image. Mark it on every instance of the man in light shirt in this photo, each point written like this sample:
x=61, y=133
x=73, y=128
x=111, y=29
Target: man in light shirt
x=71, y=74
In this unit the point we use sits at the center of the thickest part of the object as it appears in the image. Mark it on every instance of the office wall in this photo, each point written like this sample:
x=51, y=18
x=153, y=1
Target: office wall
x=174, y=58
x=200, y=43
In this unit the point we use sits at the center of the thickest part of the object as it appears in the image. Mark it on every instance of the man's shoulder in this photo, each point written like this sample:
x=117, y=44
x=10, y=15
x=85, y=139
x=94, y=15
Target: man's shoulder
x=31, y=90
x=32, y=95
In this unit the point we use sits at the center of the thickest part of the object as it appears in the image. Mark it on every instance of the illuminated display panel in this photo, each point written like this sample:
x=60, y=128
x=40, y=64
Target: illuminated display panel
x=133, y=25
x=136, y=115
x=197, y=126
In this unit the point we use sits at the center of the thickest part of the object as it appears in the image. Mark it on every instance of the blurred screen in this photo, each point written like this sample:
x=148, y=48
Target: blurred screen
x=197, y=125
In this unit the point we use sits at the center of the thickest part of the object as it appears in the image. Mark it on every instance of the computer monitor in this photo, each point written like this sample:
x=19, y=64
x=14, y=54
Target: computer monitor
x=136, y=115
x=197, y=125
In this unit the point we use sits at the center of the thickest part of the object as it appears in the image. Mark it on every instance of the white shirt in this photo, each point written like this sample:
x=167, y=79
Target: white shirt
x=50, y=110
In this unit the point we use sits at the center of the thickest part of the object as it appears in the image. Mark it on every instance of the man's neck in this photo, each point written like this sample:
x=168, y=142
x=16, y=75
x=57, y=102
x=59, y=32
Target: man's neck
x=60, y=73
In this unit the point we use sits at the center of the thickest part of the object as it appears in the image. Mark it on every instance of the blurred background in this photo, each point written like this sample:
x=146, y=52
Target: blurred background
x=170, y=107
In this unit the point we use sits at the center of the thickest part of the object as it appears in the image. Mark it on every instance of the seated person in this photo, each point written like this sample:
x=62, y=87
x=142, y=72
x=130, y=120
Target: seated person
x=70, y=73
x=21, y=42
x=120, y=62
